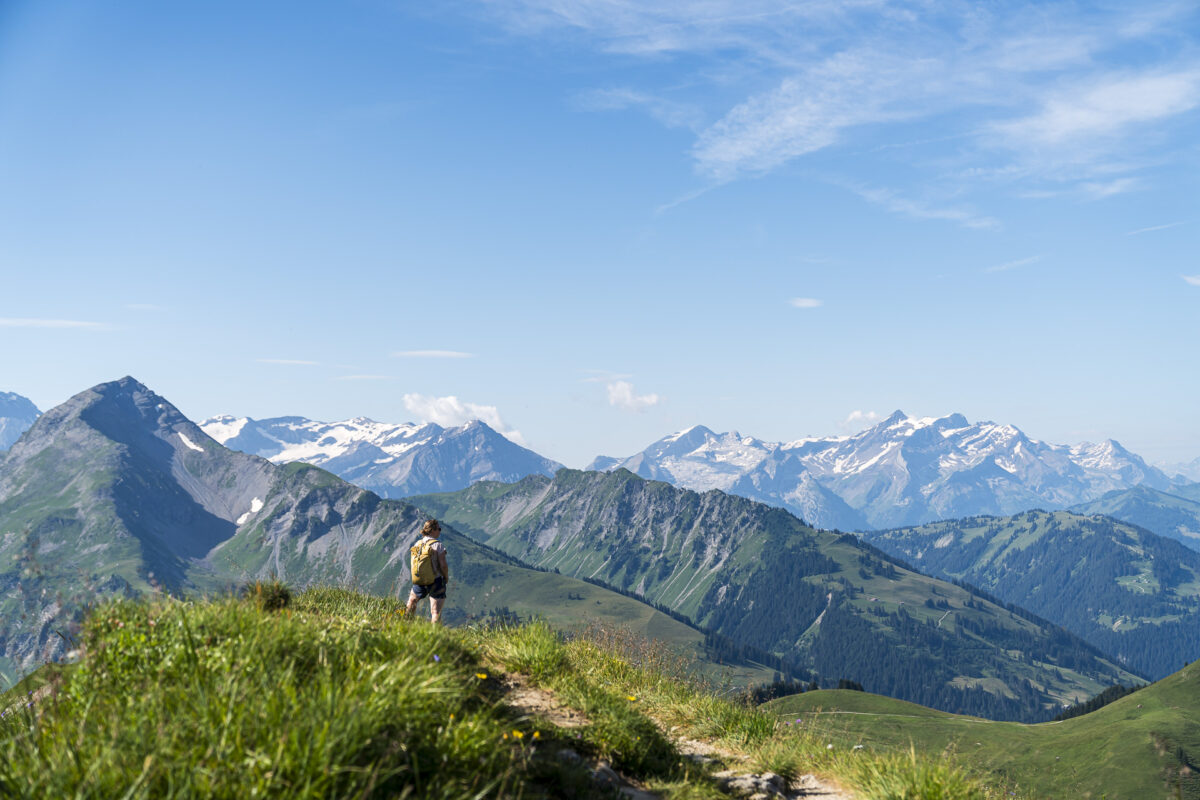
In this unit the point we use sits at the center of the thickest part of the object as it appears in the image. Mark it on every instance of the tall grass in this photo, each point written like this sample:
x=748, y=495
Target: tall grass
x=226, y=700
x=334, y=693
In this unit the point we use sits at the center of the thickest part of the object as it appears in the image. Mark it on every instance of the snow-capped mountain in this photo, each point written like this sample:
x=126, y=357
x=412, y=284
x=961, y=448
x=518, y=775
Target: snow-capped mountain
x=17, y=415
x=902, y=471
x=391, y=459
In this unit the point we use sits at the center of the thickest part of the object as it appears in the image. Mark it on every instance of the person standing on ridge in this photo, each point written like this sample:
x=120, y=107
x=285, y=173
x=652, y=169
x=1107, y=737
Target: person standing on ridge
x=430, y=574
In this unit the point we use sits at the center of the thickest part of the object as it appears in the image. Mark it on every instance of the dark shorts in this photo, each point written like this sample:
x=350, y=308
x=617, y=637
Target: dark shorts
x=436, y=590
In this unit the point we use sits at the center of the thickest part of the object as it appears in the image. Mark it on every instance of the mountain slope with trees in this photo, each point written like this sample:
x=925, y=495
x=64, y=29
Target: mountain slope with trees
x=759, y=575
x=1129, y=592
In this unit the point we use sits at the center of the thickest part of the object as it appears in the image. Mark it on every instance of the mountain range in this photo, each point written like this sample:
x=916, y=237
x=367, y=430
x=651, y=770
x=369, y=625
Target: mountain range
x=116, y=492
x=760, y=575
x=391, y=459
x=902, y=471
x=1129, y=592
x=17, y=414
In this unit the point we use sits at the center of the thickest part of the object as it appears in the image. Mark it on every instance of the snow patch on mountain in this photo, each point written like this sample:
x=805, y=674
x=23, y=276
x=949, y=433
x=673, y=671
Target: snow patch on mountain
x=190, y=444
x=391, y=459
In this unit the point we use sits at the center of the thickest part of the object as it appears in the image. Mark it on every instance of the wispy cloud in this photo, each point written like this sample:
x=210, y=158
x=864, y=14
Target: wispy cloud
x=1106, y=107
x=1154, y=228
x=289, y=362
x=672, y=113
x=917, y=209
x=26, y=322
x=805, y=302
x=1102, y=189
x=432, y=354
x=603, y=376
x=622, y=395
x=451, y=412
x=1048, y=88
x=1194, y=280
x=1020, y=262
x=858, y=420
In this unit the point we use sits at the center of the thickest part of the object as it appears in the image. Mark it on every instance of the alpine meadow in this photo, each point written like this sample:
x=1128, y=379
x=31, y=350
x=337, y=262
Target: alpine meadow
x=556, y=399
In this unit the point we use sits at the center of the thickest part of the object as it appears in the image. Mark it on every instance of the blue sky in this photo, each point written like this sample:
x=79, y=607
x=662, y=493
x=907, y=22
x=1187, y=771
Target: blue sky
x=594, y=223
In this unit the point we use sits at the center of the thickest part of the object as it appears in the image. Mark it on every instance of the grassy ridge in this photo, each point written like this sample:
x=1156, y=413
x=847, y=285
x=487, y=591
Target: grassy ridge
x=1144, y=745
x=339, y=695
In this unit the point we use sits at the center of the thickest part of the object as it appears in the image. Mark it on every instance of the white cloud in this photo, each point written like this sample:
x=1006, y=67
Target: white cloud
x=1020, y=262
x=1194, y=280
x=291, y=362
x=24, y=322
x=621, y=395
x=1106, y=108
x=858, y=420
x=451, y=412
x=805, y=302
x=432, y=354
x=1154, y=228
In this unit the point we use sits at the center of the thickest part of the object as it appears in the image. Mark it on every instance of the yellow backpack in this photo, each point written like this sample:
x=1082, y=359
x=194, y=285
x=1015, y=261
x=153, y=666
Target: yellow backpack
x=421, y=562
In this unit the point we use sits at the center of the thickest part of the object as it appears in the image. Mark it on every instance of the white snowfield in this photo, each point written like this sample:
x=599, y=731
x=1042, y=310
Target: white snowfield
x=298, y=439
x=190, y=444
x=255, y=506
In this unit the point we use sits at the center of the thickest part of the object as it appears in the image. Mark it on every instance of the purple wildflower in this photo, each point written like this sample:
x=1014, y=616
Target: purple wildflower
x=437, y=658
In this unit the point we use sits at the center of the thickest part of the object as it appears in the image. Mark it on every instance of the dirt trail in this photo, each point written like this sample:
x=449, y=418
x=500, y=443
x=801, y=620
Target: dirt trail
x=535, y=701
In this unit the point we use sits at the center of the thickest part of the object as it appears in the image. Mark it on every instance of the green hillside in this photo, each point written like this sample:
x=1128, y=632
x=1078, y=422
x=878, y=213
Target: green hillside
x=1166, y=514
x=1145, y=745
x=761, y=576
x=1127, y=591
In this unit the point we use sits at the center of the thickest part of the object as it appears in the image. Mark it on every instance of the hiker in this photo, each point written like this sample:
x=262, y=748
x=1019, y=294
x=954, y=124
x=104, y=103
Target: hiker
x=427, y=560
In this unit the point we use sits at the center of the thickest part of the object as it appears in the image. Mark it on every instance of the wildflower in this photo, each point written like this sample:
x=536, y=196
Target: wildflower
x=631, y=698
x=481, y=675
x=518, y=735
x=437, y=658
x=828, y=747
x=537, y=734
x=151, y=623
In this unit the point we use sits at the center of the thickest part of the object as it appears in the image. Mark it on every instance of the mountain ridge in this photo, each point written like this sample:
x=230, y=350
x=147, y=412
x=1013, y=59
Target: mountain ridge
x=900, y=471
x=17, y=414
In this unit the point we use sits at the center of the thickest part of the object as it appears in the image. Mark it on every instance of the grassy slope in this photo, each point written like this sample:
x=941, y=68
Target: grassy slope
x=1128, y=750
x=339, y=695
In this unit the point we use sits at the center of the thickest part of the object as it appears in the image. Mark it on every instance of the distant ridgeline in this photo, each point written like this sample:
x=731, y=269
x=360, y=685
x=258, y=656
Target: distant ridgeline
x=760, y=576
x=1127, y=591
